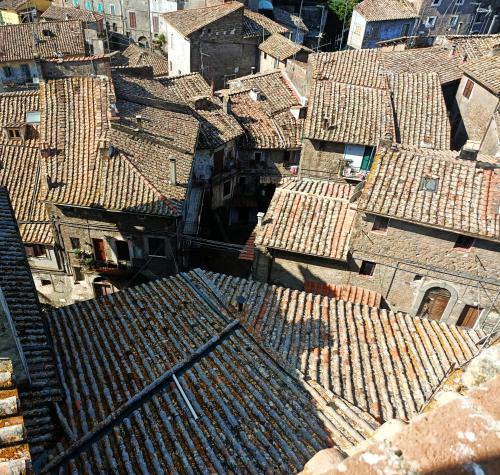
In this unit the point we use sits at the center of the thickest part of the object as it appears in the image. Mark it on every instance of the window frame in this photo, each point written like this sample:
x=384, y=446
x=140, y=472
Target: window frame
x=468, y=88
x=367, y=273
x=428, y=24
x=428, y=179
x=461, y=246
x=149, y=247
x=132, y=19
x=224, y=194
x=382, y=226
x=38, y=251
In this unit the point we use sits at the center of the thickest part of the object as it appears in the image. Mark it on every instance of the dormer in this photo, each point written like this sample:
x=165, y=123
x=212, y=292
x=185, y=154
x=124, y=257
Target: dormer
x=15, y=132
x=256, y=95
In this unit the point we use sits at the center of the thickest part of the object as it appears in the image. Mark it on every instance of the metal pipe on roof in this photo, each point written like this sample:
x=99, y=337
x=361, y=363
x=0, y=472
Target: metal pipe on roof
x=183, y=394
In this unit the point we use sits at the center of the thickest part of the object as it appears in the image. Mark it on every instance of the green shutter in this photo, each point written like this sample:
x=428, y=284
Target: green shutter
x=366, y=163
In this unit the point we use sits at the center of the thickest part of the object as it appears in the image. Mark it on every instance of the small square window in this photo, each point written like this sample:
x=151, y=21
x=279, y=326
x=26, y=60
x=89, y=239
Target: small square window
x=429, y=184
x=75, y=242
x=157, y=247
x=453, y=21
x=430, y=22
x=7, y=71
x=45, y=282
x=227, y=188
x=463, y=242
x=35, y=250
x=436, y=3
x=77, y=272
x=380, y=224
x=367, y=268
x=14, y=133
x=257, y=156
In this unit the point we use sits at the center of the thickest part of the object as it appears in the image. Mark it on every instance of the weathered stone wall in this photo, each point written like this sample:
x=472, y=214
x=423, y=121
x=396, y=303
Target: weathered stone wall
x=321, y=159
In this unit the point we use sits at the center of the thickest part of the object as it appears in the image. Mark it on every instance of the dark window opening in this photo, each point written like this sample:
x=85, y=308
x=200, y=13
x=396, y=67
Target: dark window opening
x=77, y=271
x=75, y=242
x=157, y=247
x=122, y=250
x=227, y=188
x=367, y=268
x=463, y=242
x=35, y=250
x=218, y=162
x=14, y=133
x=380, y=224
x=257, y=156
x=45, y=282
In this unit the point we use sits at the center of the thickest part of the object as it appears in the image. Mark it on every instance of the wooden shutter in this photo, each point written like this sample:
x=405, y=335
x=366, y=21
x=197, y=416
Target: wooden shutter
x=156, y=24
x=132, y=19
x=99, y=249
x=469, y=316
x=468, y=88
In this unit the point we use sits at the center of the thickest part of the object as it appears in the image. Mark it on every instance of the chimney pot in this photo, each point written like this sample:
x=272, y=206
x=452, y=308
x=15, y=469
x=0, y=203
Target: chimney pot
x=173, y=171
x=260, y=217
x=226, y=104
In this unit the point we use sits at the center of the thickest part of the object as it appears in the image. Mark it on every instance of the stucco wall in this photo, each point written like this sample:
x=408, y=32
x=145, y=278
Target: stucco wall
x=179, y=52
x=356, y=31
x=321, y=159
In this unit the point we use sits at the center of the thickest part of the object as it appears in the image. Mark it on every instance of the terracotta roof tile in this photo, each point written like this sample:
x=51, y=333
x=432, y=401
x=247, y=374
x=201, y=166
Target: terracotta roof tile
x=354, y=98
x=186, y=93
x=280, y=47
x=20, y=295
x=137, y=56
x=473, y=46
x=180, y=326
x=309, y=217
x=465, y=200
x=386, y=10
x=384, y=363
x=46, y=39
x=188, y=21
x=349, y=293
x=268, y=122
x=20, y=168
x=79, y=170
x=56, y=12
x=257, y=25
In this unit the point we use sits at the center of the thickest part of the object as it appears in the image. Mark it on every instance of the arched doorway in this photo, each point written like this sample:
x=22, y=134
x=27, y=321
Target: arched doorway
x=434, y=303
x=143, y=42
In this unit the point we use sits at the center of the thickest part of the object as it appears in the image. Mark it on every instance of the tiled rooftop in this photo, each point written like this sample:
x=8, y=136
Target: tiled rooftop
x=80, y=171
x=472, y=46
x=25, y=41
x=386, y=10
x=137, y=56
x=20, y=168
x=485, y=71
x=349, y=293
x=350, y=102
x=14, y=451
x=164, y=377
x=466, y=199
x=268, y=122
x=257, y=25
x=309, y=217
x=57, y=12
x=280, y=47
x=385, y=363
x=187, y=93
x=19, y=291
x=188, y=21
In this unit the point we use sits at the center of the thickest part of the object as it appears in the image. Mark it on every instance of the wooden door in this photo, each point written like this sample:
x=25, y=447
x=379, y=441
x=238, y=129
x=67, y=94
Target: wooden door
x=469, y=316
x=434, y=303
x=99, y=249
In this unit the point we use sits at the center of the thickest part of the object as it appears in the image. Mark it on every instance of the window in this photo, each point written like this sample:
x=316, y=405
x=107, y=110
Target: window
x=480, y=17
x=434, y=303
x=227, y=188
x=156, y=24
x=88, y=5
x=99, y=249
x=430, y=22
x=257, y=156
x=429, y=184
x=380, y=224
x=463, y=242
x=35, y=250
x=14, y=133
x=112, y=9
x=7, y=71
x=405, y=29
x=157, y=247
x=459, y=2
x=453, y=21
x=468, y=89
x=218, y=162
x=100, y=8
x=76, y=3
x=367, y=268
x=122, y=250
x=469, y=316
x=26, y=72
x=75, y=242
x=265, y=55
x=132, y=19
x=436, y=3
x=45, y=282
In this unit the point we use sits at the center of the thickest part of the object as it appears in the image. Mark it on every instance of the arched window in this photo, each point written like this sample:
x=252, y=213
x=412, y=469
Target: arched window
x=434, y=303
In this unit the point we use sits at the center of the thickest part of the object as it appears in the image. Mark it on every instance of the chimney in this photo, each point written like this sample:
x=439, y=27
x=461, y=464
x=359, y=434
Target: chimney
x=105, y=149
x=240, y=300
x=173, y=171
x=469, y=151
x=260, y=217
x=386, y=141
x=255, y=94
x=44, y=149
x=252, y=69
x=138, y=119
x=226, y=103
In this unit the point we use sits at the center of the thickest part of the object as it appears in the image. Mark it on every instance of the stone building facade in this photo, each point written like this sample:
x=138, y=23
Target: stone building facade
x=435, y=264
